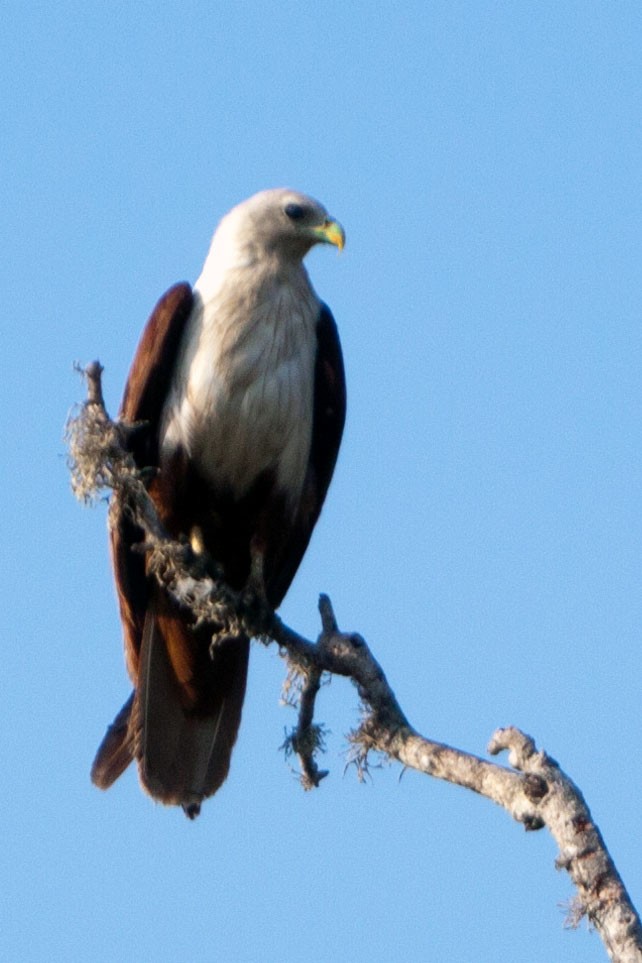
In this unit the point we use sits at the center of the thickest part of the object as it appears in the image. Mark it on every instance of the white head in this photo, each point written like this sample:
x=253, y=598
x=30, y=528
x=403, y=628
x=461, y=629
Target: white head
x=278, y=224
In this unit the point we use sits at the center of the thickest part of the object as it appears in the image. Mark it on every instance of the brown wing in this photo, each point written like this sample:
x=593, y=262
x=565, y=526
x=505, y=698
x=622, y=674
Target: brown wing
x=151, y=371
x=183, y=717
x=145, y=392
x=327, y=430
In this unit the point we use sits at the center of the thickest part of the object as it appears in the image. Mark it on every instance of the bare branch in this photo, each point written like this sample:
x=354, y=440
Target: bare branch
x=534, y=791
x=602, y=895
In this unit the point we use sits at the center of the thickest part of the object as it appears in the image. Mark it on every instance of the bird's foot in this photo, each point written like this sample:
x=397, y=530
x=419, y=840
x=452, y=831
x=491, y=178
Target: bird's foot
x=254, y=606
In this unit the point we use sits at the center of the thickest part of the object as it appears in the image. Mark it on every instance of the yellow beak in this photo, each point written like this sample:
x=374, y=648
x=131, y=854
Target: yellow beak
x=330, y=232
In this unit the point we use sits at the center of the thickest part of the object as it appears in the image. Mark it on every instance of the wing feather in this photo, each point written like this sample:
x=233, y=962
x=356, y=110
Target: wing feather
x=327, y=429
x=145, y=392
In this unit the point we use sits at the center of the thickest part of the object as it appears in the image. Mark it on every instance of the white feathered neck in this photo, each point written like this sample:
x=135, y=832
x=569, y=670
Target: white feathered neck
x=241, y=400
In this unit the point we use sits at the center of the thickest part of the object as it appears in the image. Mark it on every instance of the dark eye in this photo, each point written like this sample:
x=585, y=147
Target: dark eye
x=295, y=212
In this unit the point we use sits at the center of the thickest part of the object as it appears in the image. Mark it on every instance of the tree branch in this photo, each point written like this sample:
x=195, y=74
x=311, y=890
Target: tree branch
x=534, y=791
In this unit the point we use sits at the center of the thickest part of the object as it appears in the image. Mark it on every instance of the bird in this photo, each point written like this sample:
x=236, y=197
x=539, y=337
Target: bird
x=237, y=394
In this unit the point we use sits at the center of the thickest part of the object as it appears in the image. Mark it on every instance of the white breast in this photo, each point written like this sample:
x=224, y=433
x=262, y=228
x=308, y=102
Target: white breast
x=241, y=400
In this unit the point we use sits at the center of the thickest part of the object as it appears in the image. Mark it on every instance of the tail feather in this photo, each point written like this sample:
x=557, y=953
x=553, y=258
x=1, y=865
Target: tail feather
x=184, y=750
x=181, y=734
x=117, y=749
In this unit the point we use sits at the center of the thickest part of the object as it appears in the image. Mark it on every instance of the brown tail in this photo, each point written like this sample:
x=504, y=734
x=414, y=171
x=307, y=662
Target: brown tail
x=184, y=752
x=183, y=746
x=116, y=751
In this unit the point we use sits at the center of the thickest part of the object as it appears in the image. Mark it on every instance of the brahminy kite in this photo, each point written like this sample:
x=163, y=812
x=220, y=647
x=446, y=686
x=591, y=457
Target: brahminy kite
x=238, y=391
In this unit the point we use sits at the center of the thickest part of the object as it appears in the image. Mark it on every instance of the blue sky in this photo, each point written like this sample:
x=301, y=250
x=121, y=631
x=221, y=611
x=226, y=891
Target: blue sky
x=483, y=530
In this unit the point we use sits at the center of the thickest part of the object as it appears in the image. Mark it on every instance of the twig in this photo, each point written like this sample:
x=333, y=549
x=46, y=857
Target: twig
x=534, y=791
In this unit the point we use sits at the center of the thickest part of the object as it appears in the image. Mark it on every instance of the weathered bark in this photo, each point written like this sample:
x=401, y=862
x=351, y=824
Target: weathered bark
x=534, y=790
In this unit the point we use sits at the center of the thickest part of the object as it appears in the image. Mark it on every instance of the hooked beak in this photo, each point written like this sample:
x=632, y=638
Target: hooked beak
x=330, y=232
